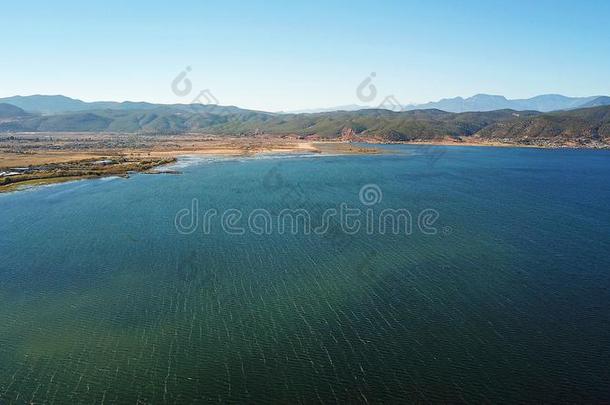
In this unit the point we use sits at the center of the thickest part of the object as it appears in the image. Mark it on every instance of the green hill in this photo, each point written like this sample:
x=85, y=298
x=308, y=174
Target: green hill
x=529, y=127
x=576, y=126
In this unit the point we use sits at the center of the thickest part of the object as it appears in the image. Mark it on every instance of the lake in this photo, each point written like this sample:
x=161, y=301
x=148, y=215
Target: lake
x=424, y=274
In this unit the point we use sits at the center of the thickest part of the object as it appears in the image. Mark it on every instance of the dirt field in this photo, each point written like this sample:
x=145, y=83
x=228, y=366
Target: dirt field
x=27, y=149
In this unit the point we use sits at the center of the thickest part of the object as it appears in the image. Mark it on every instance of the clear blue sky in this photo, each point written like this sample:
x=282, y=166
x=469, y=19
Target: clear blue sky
x=277, y=55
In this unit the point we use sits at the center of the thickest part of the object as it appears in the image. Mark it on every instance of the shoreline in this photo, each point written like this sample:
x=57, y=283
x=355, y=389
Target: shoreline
x=76, y=156
x=33, y=176
x=33, y=172
x=485, y=143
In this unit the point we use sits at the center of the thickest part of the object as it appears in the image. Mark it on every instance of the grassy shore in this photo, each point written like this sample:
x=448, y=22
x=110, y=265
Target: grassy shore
x=39, y=182
x=51, y=173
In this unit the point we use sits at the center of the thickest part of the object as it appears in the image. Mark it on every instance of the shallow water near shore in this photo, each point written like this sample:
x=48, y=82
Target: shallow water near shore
x=105, y=299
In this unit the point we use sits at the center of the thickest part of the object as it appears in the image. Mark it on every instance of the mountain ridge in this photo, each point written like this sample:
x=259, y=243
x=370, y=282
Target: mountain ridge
x=581, y=126
x=57, y=104
x=487, y=102
x=53, y=104
x=588, y=126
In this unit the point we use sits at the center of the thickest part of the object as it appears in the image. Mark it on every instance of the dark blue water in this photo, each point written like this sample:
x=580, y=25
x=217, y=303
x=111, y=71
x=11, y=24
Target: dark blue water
x=499, y=292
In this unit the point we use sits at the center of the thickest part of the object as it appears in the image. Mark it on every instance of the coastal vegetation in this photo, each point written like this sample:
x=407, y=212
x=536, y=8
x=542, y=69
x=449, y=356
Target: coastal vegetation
x=82, y=169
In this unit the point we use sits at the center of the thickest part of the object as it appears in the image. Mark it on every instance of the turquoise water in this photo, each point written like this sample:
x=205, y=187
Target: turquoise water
x=104, y=299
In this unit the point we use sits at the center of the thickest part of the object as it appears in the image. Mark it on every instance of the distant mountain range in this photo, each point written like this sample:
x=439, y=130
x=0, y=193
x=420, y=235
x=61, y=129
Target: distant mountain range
x=597, y=102
x=58, y=104
x=583, y=126
x=347, y=107
x=11, y=111
x=487, y=102
x=43, y=104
